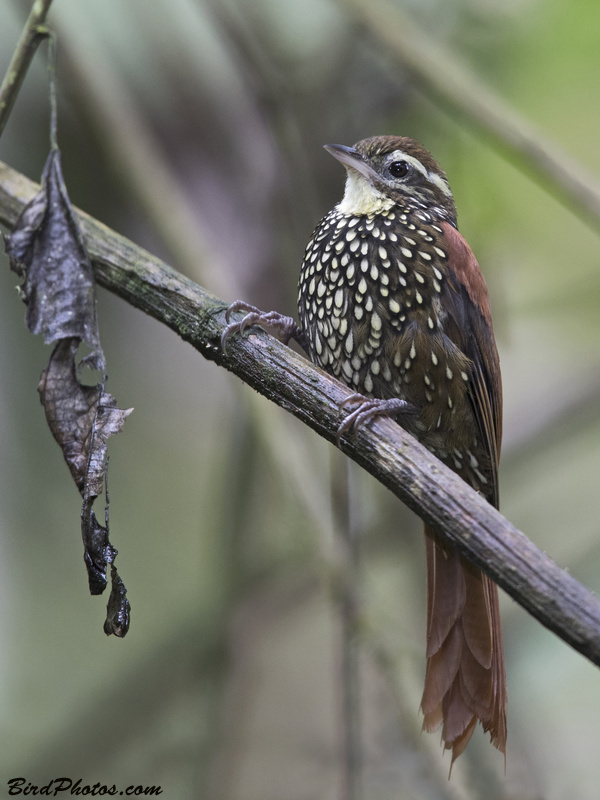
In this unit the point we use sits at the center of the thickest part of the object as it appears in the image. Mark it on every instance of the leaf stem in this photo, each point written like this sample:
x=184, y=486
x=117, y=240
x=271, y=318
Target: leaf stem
x=52, y=81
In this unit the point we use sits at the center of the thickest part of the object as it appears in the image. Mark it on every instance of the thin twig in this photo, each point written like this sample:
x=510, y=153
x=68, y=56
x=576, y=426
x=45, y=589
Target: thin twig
x=384, y=449
x=32, y=35
x=455, y=88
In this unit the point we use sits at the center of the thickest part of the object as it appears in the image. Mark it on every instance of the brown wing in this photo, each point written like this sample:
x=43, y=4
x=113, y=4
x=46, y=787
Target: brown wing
x=469, y=311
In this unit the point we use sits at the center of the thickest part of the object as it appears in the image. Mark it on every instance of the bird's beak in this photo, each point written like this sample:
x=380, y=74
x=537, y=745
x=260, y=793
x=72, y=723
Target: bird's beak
x=351, y=159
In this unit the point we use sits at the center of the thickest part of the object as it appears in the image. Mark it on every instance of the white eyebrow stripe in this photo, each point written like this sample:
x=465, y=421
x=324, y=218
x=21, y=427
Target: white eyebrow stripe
x=432, y=177
x=398, y=155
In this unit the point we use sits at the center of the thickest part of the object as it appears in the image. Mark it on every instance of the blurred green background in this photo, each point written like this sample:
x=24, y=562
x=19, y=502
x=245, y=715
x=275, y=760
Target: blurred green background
x=195, y=128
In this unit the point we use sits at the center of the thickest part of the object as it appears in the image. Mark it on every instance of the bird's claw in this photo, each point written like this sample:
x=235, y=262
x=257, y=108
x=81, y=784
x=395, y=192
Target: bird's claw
x=367, y=409
x=285, y=327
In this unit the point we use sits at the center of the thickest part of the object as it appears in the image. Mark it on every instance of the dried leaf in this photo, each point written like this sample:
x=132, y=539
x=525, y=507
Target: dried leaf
x=108, y=420
x=70, y=407
x=117, y=611
x=81, y=419
x=47, y=250
x=98, y=551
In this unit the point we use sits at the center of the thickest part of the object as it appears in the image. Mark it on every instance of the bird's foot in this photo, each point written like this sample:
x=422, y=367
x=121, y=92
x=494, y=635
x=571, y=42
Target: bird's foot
x=285, y=327
x=368, y=408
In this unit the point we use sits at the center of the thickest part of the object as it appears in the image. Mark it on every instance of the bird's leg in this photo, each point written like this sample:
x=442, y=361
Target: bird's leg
x=286, y=328
x=368, y=408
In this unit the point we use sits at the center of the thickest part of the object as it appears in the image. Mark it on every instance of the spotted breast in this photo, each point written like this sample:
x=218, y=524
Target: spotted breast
x=373, y=294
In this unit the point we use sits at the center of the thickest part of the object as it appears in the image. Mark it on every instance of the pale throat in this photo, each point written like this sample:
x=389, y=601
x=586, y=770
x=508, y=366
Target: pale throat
x=361, y=197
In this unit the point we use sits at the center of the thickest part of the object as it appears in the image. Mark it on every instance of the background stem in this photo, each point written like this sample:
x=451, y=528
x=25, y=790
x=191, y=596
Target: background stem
x=32, y=35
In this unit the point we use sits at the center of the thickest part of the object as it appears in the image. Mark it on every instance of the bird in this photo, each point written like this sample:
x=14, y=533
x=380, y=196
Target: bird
x=392, y=302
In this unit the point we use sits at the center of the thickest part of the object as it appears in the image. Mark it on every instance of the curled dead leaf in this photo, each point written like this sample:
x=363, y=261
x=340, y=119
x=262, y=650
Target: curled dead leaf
x=46, y=249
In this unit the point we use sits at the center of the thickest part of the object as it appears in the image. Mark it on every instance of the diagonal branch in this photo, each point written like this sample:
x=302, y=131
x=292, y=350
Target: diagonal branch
x=384, y=449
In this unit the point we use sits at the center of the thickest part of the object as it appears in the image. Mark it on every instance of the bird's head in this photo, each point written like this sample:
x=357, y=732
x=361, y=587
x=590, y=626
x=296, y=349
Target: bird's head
x=384, y=171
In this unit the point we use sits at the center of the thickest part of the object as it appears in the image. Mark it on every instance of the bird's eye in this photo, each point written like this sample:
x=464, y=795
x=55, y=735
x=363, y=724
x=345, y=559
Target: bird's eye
x=398, y=169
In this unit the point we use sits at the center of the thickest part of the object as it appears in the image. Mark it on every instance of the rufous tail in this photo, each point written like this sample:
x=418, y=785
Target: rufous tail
x=465, y=680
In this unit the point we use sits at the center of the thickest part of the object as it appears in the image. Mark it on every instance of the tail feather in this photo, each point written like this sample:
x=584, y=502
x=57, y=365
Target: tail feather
x=465, y=681
x=476, y=683
x=476, y=618
x=446, y=595
x=442, y=667
x=458, y=717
